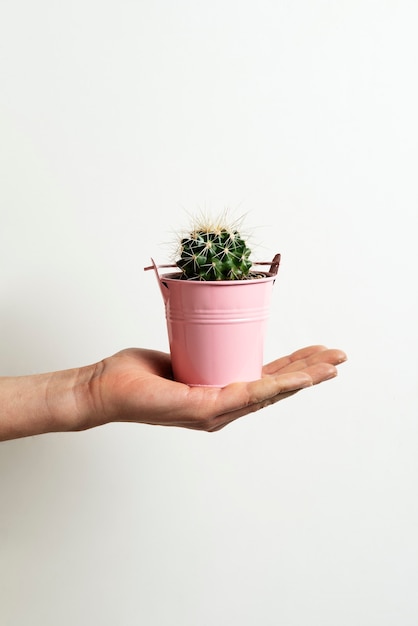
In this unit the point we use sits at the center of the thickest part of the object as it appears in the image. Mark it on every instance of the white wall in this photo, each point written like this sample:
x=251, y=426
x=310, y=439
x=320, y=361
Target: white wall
x=115, y=118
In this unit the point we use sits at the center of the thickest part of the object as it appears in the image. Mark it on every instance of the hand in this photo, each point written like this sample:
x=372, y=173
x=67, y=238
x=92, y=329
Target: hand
x=136, y=385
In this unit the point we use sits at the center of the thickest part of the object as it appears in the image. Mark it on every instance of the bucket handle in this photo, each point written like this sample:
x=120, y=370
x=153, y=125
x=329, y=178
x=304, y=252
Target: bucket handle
x=163, y=287
x=274, y=264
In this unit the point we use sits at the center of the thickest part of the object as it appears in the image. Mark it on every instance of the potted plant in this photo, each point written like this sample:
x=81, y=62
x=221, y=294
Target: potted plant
x=217, y=305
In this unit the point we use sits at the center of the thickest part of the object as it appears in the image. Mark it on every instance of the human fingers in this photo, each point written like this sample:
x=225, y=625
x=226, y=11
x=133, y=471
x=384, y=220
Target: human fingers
x=237, y=399
x=221, y=421
x=320, y=372
x=306, y=357
x=317, y=373
x=284, y=361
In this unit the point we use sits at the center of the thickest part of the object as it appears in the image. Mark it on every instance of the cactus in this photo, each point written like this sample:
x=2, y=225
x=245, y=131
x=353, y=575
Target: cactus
x=214, y=253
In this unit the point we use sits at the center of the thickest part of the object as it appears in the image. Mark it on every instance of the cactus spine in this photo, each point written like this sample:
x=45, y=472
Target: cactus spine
x=214, y=253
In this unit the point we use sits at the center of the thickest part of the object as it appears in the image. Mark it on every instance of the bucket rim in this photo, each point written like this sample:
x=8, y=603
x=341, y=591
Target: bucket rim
x=271, y=274
x=175, y=277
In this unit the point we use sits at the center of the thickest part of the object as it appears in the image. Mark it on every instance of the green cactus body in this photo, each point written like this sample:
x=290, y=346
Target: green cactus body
x=214, y=254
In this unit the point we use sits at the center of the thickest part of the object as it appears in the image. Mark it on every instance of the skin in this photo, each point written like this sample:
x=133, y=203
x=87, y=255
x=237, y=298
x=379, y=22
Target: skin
x=136, y=385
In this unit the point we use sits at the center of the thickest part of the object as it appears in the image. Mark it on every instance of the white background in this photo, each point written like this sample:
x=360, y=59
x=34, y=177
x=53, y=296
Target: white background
x=116, y=118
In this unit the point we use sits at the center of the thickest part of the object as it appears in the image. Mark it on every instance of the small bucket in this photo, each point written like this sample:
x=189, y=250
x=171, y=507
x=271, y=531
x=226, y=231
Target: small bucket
x=216, y=329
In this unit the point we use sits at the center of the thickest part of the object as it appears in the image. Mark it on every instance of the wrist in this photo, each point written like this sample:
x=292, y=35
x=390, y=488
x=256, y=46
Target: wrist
x=69, y=401
x=54, y=402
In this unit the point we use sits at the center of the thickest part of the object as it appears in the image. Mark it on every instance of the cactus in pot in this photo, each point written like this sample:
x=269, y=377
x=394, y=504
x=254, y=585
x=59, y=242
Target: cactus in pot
x=217, y=306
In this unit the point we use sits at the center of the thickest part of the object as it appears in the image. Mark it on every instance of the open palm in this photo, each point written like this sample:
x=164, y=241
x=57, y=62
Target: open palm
x=137, y=385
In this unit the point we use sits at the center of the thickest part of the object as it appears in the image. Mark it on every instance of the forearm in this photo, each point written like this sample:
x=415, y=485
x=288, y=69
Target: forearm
x=42, y=403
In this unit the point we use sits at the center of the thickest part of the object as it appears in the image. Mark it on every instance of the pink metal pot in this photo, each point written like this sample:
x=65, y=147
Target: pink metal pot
x=216, y=329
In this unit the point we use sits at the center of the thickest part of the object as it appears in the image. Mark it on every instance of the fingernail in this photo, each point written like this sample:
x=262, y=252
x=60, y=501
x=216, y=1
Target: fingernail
x=307, y=383
x=332, y=375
